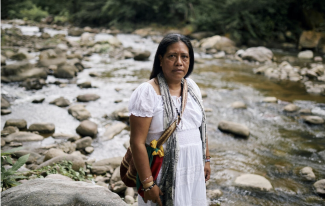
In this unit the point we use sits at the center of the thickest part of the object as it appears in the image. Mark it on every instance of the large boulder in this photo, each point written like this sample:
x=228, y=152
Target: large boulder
x=79, y=112
x=113, y=130
x=53, y=152
x=87, y=128
x=234, y=128
x=313, y=119
x=254, y=182
x=84, y=142
x=306, y=54
x=77, y=162
x=61, y=102
x=114, y=162
x=46, y=191
x=310, y=39
x=21, y=71
x=219, y=43
x=142, y=55
x=52, y=57
x=260, y=54
x=23, y=137
x=4, y=103
x=319, y=186
x=87, y=97
x=9, y=130
x=33, y=156
x=19, y=123
x=42, y=127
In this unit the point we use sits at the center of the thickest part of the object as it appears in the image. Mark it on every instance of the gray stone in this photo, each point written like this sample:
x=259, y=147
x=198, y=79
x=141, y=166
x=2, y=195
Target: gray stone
x=58, y=177
x=99, y=170
x=87, y=128
x=238, y=105
x=79, y=154
x=84, y=142
x=89, y=150
x=87, y=97
x=19, y=123
x=67, y=147
x=219, y=43
x=118, y=186
x=102, y=179
x=113, y=130
x=69, y=137
x=3, y=60
x=37, y=101
x=66, y=71
x=254, y=182
x=52, y=57
x=84, y=85
x=318, y=59
x=214, y=194
x=322, y=154
x=270, y=100
x=53, y=152
x=9, y=130
x=235, y=128
x=305, y=111
x=114, y=162
x=33, y=83
x=4, y=103
x=129, y=199
x=291, y=108
x=260, y=54
x=308, y=174
x=115, y=176
x=319, y=186
x=61, y=102
x=59, y=192
x=75, y=31
x=15, y=144
x=77, y=162
x=129, y=191
x=126, y=144
x=79, y=112
x=204, y=94
x=23, y=137
x=313, y=119
x=142, y=56
x=33, y=156
x=3, y=142
x=103, y=184
x=20, y=55
x=5, y=111
x=306, y=54
x=42, y=127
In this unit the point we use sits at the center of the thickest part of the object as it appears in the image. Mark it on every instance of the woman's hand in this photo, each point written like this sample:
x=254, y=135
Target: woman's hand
x=207, y=171
x=153, y=195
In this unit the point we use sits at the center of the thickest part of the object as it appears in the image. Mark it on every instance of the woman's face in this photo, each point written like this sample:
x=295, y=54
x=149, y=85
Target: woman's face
x=175, y=62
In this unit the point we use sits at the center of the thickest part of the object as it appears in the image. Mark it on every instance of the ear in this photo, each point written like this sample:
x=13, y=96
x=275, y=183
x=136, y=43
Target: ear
x=160, y=58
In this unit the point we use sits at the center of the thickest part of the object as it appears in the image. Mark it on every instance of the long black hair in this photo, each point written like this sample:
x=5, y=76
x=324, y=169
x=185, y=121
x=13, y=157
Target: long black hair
x=162, y=48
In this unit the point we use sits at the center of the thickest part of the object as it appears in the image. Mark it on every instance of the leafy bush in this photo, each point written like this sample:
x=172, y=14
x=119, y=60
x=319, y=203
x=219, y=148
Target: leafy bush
x=9, y=176
x=35, y=13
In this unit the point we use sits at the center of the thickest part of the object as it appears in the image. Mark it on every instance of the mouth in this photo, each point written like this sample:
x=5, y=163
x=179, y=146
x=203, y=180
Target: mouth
x=178, y=70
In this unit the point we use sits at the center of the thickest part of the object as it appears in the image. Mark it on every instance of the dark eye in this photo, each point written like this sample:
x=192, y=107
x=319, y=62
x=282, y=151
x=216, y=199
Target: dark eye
x=185, y=56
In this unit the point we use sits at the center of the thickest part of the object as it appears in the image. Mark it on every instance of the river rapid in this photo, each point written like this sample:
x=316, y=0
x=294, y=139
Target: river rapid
x=279, y=146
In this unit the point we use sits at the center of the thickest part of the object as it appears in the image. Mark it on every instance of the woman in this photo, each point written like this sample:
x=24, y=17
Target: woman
x=153, y=106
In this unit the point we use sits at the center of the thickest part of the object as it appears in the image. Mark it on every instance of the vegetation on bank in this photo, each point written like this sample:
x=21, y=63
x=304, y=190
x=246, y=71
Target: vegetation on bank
x=241, y=20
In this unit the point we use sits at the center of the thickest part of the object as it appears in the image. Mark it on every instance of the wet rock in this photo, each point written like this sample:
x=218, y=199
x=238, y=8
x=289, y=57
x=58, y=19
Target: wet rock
x=19, y=123
x=61, y=102
x=291, y=108
x=52, y=57
x=23, y=137
x=69, y=137
x=234, y=128
x=305, y=111
x=45, y=35
x=318, y=59
x=87, y=128
x=3, y=142
x=219, y=55
x=84, y=142
x=37, y=101
x=319, y=186
x=33, y=156
x=129, y=199
x=75, y=31
x=322, y=154
x=127, y=54
x=59, y=192
x=33, y=83
x=62, y=47
x=142, y=56
x=58, y=177
x=306, y=54
x=114, y=162
x=99, y=170
x=238, y=105
x=53, y=152
x=309, y=39
x=84, y=85
x=87, y=97
x=42, y=127
x=260, y=54
x=15, y=144
x=89, y=150
x=214, y=194
x=313, y=119
x=270, y=100
x=93, y=74
x=4, y=103
x=118, y=187
x=254, y=182
x=3, y=60
x=113, y=130
x=308, y=174
x=9, y=130
x=115, y=176
x=67, y=147
x=77, y=162
x=66, y=71
x=5, y=111
x=219, y=43
x=79, y=112
x=21, y=55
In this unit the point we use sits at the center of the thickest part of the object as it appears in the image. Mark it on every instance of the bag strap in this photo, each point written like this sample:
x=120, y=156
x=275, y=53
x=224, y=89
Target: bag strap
x=169, y=131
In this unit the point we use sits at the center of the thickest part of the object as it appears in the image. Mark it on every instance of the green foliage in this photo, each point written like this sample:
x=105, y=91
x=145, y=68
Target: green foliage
x=9, y=176
x=35, y=13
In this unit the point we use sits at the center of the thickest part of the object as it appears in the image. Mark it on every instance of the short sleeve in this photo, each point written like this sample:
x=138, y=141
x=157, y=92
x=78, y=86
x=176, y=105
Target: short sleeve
x=142, y=101
x=195, y=87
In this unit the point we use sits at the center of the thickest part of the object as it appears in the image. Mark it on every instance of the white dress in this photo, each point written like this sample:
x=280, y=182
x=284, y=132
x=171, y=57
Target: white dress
x=190, y=180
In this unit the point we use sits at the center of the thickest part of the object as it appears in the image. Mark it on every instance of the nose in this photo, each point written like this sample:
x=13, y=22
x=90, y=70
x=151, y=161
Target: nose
x=179, y=61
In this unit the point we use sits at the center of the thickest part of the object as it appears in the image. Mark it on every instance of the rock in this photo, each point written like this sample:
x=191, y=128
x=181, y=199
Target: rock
x=33, y=83
x=79, y=154
x=66, y=71
x=3, y=142
x=126, y=144
x=219, y=43
x=129, y=199
x=15, y=144
x=9, y=130
x=253, y=181
x=291, y=108
x=306, y=54
x=118, y=187
x=3, y=60
x=84, y=85
x=308, y=174
x=67, y=147
x=61, y=102
x=318, y=59
x=19, y=123
x=59, y=192
x=129, y=191
x=115, y=176
x=4, y=103
x=75, y=31
x=23, y=137
x=86, y=38
x=305, y=111
x=260, y=54
x=52, y=57
x=238, y=105
x=58, y=177
x=127, y=54
x=93, y=74
x=89, y=150
x=319, y=186
x=33, y=156
x=53, y=152
x=114, y=162
x=42, y=127
x=214, y=194
x=102, y=184
x=84, y=142
x=69, y=137
x=204, y=94
x=79, y=112
x=5, y=111
x=309, y=39
x=20, y=55
x=87, y=97
x=102, y=179
x=270, y=100
x=37, y=101
x=63, y=47
x=235, y=128
x=99, y=170
x=113, y=130
x=142, y=56
x=201, y=35
x=87, y=128
x=313, y=119
x=219, y=55
x=322, y=154
x=77, y=162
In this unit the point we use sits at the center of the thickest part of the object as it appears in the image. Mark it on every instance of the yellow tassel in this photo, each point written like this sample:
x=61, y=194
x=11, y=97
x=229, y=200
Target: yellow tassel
x=153, y=144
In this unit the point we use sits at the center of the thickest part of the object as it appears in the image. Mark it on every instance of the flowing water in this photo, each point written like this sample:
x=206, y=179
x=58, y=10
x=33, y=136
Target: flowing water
x=279, y=144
